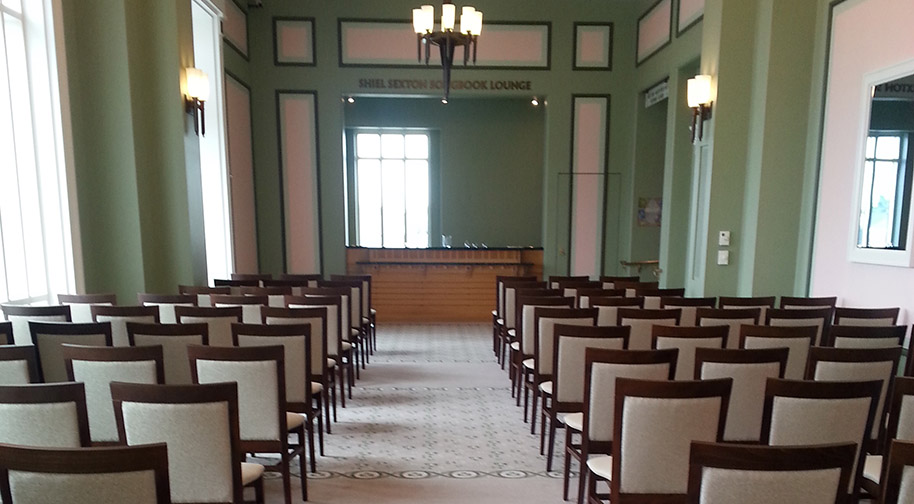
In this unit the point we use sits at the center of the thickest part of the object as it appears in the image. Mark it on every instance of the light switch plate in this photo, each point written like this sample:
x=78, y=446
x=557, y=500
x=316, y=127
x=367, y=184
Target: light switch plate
x=723, y=257
x=724, y=239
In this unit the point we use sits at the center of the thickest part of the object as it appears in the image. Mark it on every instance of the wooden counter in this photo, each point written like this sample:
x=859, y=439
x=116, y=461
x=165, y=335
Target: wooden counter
x=441, y=284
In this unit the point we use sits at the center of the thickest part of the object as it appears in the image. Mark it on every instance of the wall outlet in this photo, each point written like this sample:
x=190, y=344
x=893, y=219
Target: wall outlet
x=723, y=239
x=723, y=257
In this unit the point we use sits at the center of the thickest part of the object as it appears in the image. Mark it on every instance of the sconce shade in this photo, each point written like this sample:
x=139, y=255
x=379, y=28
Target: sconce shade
x=699, y=90
x=197, y=84
x=448, y=16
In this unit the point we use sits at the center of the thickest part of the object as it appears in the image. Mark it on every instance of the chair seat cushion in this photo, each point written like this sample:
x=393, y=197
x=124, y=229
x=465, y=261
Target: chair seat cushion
x=529, y=363
x=250, y=472
x=331, y=363
x=515, y=346
x=354, y=332
x=316, y=388
x=546, y=387
x=294, y=420
x=347, y=346
x=602, y=466
x=374, y=312
x=500, y=321
x=872, y=468
x=512, y=333
x=366, y=320
x=574, y=421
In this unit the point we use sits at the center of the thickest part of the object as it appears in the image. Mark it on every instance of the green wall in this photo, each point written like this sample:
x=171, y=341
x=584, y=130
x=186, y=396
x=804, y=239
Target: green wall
x=490, y=178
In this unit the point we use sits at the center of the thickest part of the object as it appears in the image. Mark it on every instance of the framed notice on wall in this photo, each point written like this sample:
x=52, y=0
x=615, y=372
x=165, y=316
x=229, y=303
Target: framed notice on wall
x=649, y=211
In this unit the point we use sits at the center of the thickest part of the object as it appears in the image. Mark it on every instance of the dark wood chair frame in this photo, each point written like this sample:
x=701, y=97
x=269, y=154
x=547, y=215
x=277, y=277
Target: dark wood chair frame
x=741, y=356
x=223, y=282
x=516, y=367
x=170, y=299
x=252, y=276
x=679, y=301
x=524, y=288
x=284, y=290
x=26, y=353
x=350, y=357
x=659, y=332
x=866, y=313
x=360, y=339
x=901, y=455
x=366, y=308
x=124, y=311
x=203, y=289
x=772, y=332
x=208, y=312
x=788, y=301
x=499, y=311
x=598, y=293
x=825, y=313
x=240, y=299
x=338, y=303
x=728, y=314
x=67, y=299
x=558, y=279
x=752, y=302
x=302, y=277
x=167, y=330
x=648, y=314
x=897, y=333
x=636, y=286
x=904, y=386
x=618, y=302
x=34, y=311
x=45, y=393
x=669, y=293
x=6, y=333
x=67, y=329
x=614, y=279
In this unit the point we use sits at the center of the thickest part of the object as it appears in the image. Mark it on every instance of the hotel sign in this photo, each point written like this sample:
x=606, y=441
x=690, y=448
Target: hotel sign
x=456, y=84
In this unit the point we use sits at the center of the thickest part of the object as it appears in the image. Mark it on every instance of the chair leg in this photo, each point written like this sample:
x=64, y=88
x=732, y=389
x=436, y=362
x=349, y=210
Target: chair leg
x=320, y=424
x=332, y=383
x=326, y=400
x=543, y=413
x=310, y=429
x=536, y=394
x=302, y=473
x=286, y=478
x=349, y=367
x=550, y=450
x=566, y=469
x=258, y=491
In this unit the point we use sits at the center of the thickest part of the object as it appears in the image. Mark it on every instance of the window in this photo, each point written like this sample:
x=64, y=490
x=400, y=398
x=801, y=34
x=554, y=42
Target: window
x=883, y=219
x=36, y=260
x=392, y=188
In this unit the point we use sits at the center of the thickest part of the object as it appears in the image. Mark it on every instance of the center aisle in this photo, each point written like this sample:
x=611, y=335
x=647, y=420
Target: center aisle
x=432, y=421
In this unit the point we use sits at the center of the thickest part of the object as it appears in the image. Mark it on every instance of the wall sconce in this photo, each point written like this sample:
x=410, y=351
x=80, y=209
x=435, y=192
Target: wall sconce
x=197, y=94
x=699, y=98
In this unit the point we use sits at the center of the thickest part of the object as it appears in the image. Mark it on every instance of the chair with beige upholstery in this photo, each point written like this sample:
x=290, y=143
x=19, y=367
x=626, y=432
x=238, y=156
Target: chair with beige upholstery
x=218, y=321
x=120, y=315
x=334, y=344
x=763, y=303
x=524, y=333
x=652, y=297
x=821, y=412
x=174, y=339
x=866, y=316
x=296, y=342
x=49, y=337
x=730, y=317
x=584, y=295
x=6, y=333
x=359, y=327
x=98, y=367
x=203, y=293
x=900, y=428
x=368, y=313
x=689, y=307
x=845, y=336
x=900, y=475
x=687, y=340
x=609, y=282
x=250, y=305
x=556, y=280
x=499, y=318
x=46, y=415
x=509, y=330
x=259, y=277
x=573, y=288
x=309, y=278
x=726, y=474
x=567, y=391
x=18, y=365
x=266, y=423
x=135, y=474
x=81, y=304
x=596, y=424
x=20, y=316
x=750, y=371
x=275, y=295
x=819, y=317
x=167, y=304
x=200, y=425
x=643, y=321
x=798, y=341
x=235, y=285
x=632, y=288
x=807, y=303
x=655, y=423
x=339, y=351
x=350, y=349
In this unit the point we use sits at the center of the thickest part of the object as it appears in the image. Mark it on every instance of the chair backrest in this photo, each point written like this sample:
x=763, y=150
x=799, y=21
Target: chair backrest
x=310, y=278
x=846, y=336
x=218, y=321
x=250, y=305
x=510, y=292
x=544, y=321
x=571, y=288
x=818, y=412
x=857, y=364
x=366, y=290
x=20, y=316
x=866, y=316
x=797, y=339
x=750, y=370
x=259, y=372
x=275, y=295
x=333, y=305
x=730, y=317
x=899, y=481
x=584, y=295
x=608, y=308
x=118, y=316
x=316, y=318
x=724, y=474
x=901, y=410
x=174, y=339
x=203, y=293
x=569, y=346
x=556, y=280
x=296, y=342
x=687, y=340
x=643, y=321
x=48, y=338
x=235, y=285
x=500, y=291
x=260, y=277
x=355, y=298
x=763, y=303
x=344, y=293
x=80, y=304
x=98, y=367
x=652, y=296
x=6, y=333
x=524, y=318
x=199, y=423
x=655, y=425
x=19, y=365
x=804, y=303
x=295, y=285
x=819, y=317
x=689, y=307
x=632, y=288
x=44, y=415
x=609, y=282
x=135, y=474
x=167, y=304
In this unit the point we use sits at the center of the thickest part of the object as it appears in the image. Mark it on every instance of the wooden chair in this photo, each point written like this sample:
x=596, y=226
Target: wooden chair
x=49, y=338
x=250, y=305
x=55, y=417
x=85, y=475
x=218, y=321
x=805, y=303
x=498, y=314
x=572, y=288
x=266, y=423
x=652, y=296
x=750, y=371
x=555, y=280
x=118, y=316
x=608, y=308
x=295, y=285
x=18, y=365
x=97, y=367
x=80, y=304
x=596, y=424
x=310, y=278
x=259, y=277
x=336, y=300
x=6, y=333
x=819, y=317
x=689, y=307
x=900, y=428
x=369, y=314
x=866, y=316
x=609, y=282
x=513, y=291
x=20, y=316
x=584, y=295
x=688, y=340
x=200, y=426
x=336, y=360
x=798, y=341
x=820, y=412
x=524, y=334
x=845, y=336
x=642, y=322
x=235, y=285
x=204, y=293
x=724, y=473
x=733, y=318
x=632, y=288
x=661, y=418
x=900, y=474
x=275, y=295
x=166, y=304
x=174, y=339
x=763, y=303
x=358, y=333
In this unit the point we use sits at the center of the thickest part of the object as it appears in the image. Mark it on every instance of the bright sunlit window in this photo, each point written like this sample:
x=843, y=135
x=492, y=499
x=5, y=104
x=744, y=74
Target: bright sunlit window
x=883, y=219
x=392, y=184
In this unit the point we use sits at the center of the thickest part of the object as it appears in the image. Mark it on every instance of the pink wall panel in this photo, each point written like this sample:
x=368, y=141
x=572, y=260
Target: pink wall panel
x=654, y=29
x=241, y=170
x=689, y=11
x=235, y=27
x=299, y=168
x=588, y=182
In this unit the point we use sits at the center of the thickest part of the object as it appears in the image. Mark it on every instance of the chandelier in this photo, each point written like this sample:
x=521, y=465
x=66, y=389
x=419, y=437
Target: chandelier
x=448, y=38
